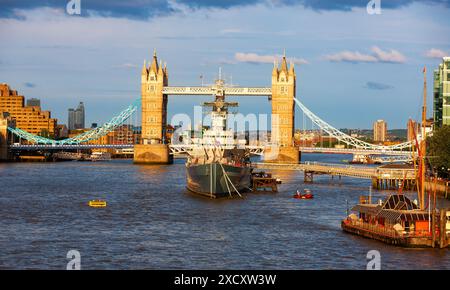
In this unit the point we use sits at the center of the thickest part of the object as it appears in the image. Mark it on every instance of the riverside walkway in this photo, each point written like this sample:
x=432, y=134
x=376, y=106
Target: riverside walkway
x=386, y=176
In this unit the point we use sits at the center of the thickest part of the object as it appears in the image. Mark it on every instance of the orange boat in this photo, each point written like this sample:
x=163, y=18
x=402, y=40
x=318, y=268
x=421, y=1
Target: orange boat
x=306, y=195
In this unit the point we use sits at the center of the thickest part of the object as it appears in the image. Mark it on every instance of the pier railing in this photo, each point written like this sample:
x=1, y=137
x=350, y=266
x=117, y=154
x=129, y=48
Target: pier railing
x=377, y=229
x=368, y=172
x=386, y=231
x=323, y=168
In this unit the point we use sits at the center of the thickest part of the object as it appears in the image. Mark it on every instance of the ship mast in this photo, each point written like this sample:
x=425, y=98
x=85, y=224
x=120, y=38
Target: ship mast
x=423, y=142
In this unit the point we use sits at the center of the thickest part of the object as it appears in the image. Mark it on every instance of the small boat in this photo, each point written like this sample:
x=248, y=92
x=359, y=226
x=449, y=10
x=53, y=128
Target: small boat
x=100, y=156
x=306, y=195
x=97, y=203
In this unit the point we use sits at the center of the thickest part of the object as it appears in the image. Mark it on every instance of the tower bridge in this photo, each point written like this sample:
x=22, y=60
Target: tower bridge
x=154, y=96
x=155, y=91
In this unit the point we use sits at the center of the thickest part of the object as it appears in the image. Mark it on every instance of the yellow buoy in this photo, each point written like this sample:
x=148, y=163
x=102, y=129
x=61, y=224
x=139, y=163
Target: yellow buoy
x=97, y=203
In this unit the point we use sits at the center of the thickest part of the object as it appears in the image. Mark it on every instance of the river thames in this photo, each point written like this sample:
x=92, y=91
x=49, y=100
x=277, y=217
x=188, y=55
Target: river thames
x=153, y=222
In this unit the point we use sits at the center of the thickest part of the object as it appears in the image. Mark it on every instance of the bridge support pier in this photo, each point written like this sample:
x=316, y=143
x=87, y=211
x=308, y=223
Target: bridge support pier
x=152, y=154
x=4, y=137
x=289, y=154
x=309, y=177
x=3, y=152
x=392, y=183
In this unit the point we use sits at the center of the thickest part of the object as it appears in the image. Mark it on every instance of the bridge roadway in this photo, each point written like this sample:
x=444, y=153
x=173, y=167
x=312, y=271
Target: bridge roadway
x=68, y=146
x=354, y=151
x=368, y=172
x=183, y=148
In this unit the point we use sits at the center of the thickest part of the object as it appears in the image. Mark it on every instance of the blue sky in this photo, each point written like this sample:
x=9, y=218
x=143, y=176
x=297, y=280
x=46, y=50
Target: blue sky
x=352, y=67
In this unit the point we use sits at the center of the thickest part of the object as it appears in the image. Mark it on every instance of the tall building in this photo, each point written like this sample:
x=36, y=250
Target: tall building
x=412, y=130
x=154, y=102
x=76, y=118
x=441, y=93
x=379, y=131
x=33, y=102
x=28, y=118
x=71, y=119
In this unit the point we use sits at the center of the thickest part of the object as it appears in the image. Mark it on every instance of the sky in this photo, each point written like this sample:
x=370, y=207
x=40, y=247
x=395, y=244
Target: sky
x=352, y=67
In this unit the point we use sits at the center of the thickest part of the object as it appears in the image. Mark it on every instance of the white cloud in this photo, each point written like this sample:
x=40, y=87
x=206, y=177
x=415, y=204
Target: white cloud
x=350, y=56
x=392, y=56
x=126, y=65
x=231, y=30
x=256, y=58
x=378, y=55
x=436, y=53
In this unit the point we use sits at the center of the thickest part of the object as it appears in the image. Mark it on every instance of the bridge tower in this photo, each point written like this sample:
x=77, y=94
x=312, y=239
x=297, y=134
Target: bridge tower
x=153, y=148
x=283, y=114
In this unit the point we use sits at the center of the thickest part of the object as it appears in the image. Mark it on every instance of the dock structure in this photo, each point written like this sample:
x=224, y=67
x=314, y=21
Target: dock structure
x=264, y=182
x=383, y=177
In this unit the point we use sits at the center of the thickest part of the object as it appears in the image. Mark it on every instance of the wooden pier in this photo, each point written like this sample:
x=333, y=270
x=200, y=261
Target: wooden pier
x=264, y=182
x=438, y=237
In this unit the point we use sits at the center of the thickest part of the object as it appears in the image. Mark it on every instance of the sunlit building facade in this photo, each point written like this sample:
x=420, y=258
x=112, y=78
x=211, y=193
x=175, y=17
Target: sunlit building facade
x=379, y=131
x=441, y=93
x=29, y=118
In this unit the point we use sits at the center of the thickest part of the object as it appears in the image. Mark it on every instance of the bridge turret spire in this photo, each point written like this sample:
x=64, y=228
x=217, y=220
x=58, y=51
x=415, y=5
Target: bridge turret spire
x=160, y=69
x=291, y=69
x=154, y=65
x=275, y=67
x=284, y=66
x=144, y=68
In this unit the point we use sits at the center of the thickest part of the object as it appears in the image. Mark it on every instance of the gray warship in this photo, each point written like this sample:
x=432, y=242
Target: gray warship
x=216, y=167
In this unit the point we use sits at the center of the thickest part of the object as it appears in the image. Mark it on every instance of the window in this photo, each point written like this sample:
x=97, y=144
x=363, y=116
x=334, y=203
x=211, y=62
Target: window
x=151, y=106
x=283, y=90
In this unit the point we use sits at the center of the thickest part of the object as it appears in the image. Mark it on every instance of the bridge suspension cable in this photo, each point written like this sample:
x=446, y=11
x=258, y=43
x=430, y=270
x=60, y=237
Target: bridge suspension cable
x=83, y=137
x=344, y=137
x=125, y=115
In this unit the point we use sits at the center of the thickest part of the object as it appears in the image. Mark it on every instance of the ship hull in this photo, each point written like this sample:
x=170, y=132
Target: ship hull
x=210, y=179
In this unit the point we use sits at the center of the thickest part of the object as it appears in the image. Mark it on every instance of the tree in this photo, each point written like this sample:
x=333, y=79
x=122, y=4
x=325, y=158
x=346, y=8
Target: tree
x=439, y=150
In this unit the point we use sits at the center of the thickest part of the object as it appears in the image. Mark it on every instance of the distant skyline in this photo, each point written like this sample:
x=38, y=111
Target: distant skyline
x=352, y=68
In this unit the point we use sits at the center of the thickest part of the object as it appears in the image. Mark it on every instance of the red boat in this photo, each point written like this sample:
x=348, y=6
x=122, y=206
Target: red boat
x=306, y=195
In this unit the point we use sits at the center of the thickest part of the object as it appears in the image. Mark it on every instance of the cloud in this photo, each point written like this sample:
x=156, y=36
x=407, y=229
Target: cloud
x=133, y=9
x=231, y=30
x=126, y=65
x=377, y=86
x=350, y=56
x=348, y=5
x=198, y=4
x=392, y=56
x=256, y=58
x=29, y=85
x=378, y=55
x=436, y=53
x=145, y=9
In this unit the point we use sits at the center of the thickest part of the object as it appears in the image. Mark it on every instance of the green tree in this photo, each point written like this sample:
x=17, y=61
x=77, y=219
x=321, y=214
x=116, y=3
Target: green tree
x=439, y=150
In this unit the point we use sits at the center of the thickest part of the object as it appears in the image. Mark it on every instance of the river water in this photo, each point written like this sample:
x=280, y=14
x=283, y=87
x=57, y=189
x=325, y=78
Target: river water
x=153, y=222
